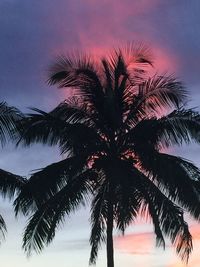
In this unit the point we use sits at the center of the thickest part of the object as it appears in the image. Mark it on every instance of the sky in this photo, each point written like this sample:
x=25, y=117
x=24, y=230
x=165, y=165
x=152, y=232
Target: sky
x=32, y=34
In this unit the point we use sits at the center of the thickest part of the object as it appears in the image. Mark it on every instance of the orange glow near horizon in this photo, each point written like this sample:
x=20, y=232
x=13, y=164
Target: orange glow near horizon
x=144, y=244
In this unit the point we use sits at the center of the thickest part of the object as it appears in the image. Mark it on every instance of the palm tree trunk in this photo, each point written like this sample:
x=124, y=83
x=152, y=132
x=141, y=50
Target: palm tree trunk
x=109, y=243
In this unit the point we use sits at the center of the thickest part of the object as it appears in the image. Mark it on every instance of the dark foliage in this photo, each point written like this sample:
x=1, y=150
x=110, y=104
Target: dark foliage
x=10, y=184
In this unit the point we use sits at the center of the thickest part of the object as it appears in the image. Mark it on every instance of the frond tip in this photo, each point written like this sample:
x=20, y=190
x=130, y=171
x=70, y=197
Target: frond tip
x=10, y=118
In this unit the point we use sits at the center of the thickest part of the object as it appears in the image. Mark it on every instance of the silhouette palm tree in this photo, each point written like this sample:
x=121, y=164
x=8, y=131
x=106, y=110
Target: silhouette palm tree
x=112, y=131
x=9, y=183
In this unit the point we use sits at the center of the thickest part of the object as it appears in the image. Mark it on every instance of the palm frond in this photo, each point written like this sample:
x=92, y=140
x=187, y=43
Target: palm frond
x=98, y=215
x=73, y=110
x=169, y=217
x=178, y=178
x=65, y=70
x=45, y=183
x=63, y=126
x=174, y=129
x=41, y=127
x=127, y=206
x=108, y=77
x=137, y=53
x=155, y=95
x=10, y=183
x=178, y=127
x=129, y=199
x=3, y=228
x=9, y=122
x=132, y=58
x=43, y=223
x=79, y=72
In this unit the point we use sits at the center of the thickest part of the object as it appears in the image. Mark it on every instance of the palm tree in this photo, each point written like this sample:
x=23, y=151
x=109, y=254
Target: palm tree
x=112, y=131
x=9, y=183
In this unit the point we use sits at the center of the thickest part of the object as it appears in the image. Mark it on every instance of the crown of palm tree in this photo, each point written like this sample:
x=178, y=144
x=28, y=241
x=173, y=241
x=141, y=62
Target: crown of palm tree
x=112, y=132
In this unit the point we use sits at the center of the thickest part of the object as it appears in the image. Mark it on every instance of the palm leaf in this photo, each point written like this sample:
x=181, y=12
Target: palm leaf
x=137, y=53
x=43, y=223
x=9, y=119
x=63, y=126
x=169, y=217
x=79, y=72
x=98, y=215
x=174, y=129
x=155, y=95
x=41, y=127
x=45, y=183
x=178, y=178
x=3, y=228
x=10, y=183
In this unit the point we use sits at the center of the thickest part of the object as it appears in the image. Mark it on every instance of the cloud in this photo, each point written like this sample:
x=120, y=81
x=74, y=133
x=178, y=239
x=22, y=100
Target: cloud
x=139, y=240
x=143, y=243
x=74, y=244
